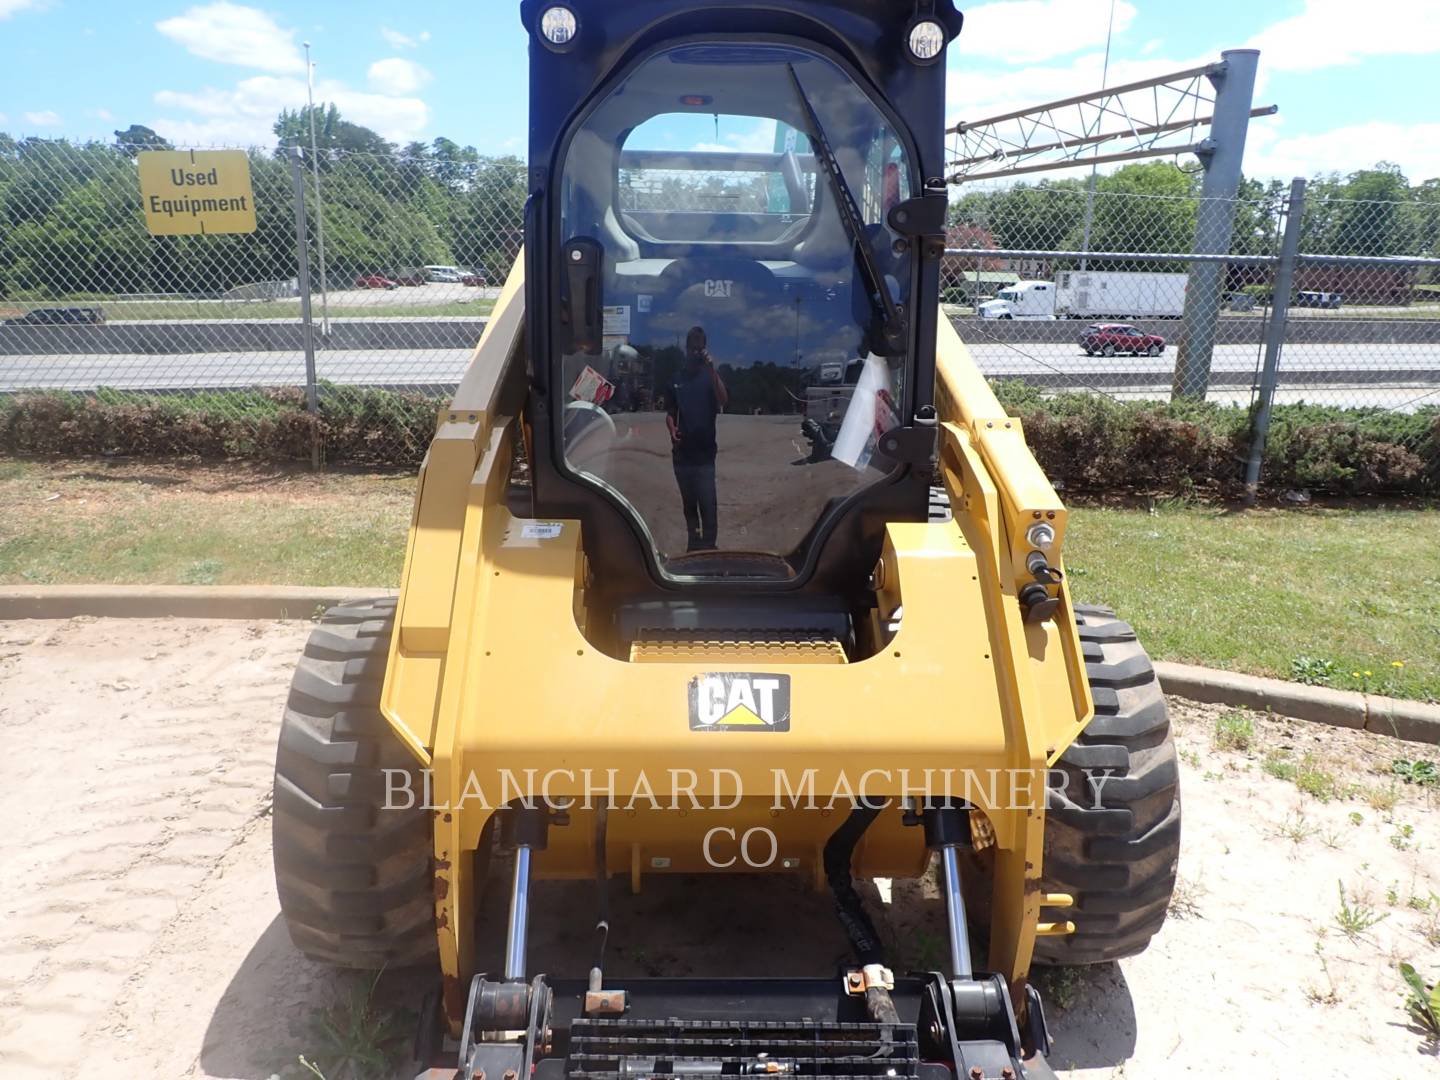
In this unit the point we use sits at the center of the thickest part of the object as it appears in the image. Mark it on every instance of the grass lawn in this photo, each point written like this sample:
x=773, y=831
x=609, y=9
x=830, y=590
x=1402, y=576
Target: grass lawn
x=1339, y=590
x=95, y=522
x=1330, y=592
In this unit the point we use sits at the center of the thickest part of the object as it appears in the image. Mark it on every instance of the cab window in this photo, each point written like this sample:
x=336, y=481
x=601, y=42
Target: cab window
x=739, y=388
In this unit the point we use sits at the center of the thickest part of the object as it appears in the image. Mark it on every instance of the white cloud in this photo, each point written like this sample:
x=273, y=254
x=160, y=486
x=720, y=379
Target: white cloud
x=4, y=119
x=102, y=114
x=45, y=118
x=1030, y=31
x=234, y=34
x=1332, y=32
x=245, y=115
x=759, y=139
x=396, y=76
x=14, y=7
x=1414, y=147
x=397, y=40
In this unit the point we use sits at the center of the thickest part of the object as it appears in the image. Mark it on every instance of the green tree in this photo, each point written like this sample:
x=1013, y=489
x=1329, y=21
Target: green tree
x=138, y=137
x=1042, y=215
x=1371, y=218
x=1149, y=207
x=332, y=133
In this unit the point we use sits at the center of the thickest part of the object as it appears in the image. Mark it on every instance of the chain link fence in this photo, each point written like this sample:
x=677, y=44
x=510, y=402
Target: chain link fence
x=1055, y=288
x=1064, y=289
x=414, y=254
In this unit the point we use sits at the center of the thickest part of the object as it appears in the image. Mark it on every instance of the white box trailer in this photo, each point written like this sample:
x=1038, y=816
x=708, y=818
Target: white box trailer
x=1107, y=294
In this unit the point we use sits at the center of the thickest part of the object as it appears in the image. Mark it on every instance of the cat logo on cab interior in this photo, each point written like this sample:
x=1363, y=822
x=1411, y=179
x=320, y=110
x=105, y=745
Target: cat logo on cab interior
x=739, y=701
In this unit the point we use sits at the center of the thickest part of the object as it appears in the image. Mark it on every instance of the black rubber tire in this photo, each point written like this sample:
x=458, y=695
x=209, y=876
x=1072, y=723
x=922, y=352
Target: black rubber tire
x=1118, y=859
x=355, y=879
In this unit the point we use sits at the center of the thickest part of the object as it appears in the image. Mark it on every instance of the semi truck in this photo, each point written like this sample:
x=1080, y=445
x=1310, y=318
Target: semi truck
x=1092, y=294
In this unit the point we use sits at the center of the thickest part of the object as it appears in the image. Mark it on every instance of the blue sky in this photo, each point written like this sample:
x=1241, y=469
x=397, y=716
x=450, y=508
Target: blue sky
x=1353, y=86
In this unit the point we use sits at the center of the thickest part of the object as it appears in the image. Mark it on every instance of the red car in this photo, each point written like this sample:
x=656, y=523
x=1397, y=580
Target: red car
x=1110, y=338
x=475, y=278
x=375, y=281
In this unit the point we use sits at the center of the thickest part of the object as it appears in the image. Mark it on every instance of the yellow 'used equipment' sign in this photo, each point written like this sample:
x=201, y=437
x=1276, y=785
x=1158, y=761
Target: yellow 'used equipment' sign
x=189, y=192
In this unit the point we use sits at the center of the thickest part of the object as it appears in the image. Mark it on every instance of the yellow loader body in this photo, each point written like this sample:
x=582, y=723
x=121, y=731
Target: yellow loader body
x=501, y=686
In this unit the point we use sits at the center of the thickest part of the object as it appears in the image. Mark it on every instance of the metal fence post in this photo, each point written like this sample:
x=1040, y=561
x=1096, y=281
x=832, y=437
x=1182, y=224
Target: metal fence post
x=307, y=325
x=1224, y=153
x=1275, y=334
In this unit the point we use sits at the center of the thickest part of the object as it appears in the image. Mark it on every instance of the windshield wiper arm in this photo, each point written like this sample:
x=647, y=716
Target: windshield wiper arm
x=892, y=320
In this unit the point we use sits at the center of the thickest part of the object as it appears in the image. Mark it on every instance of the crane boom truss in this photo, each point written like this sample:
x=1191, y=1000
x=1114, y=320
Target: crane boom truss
x=1119, y=123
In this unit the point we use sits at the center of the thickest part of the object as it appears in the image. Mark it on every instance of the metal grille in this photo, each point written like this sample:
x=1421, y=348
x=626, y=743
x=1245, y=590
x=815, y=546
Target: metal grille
x=630, y=1049
x=799, y=650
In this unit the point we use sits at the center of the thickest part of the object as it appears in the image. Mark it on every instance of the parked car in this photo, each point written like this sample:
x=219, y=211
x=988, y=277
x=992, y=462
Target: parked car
x=1110, y=338
x=68, y=316
x=1307, y=298
x=376, y=281
x=443, y=275
x=476, y=277
x=411, y=275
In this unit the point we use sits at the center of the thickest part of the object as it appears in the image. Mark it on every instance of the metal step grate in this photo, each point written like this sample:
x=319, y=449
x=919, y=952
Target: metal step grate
x=686, y=1049
x=772, y=648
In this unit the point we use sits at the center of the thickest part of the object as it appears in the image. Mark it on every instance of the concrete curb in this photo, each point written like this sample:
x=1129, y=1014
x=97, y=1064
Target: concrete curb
x=173, y=601
x=1414, y=721
x=1410, y=720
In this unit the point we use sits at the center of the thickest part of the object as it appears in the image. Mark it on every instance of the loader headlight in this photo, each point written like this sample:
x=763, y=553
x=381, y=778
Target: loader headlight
x=926, y=41
x=558, y=26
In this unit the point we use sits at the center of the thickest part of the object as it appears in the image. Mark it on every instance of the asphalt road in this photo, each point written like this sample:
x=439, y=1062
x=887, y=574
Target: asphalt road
x=1341, y=374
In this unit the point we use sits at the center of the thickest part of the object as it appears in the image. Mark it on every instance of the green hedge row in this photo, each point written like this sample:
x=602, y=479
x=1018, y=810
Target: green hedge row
x=1094, y=443
x=354, y=427
x=1086, y=442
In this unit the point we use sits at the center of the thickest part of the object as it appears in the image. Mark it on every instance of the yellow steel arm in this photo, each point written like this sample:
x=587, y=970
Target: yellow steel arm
x=479, y=415
x=975, y=429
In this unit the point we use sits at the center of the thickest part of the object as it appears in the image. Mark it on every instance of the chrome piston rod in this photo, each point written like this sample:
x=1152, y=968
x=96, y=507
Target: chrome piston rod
x=960, y=965
x=519, y=928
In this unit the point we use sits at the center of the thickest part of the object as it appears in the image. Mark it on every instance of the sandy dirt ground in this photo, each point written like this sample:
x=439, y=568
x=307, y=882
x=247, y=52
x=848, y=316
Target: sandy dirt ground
x=139, y=932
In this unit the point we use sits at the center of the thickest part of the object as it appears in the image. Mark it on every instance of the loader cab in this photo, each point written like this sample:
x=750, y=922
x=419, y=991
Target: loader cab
x=732, y=282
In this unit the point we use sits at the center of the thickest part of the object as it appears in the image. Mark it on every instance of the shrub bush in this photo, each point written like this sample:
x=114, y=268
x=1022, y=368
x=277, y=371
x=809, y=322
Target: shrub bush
x=1085, y=442
x=1093, y=443
x=355, y=427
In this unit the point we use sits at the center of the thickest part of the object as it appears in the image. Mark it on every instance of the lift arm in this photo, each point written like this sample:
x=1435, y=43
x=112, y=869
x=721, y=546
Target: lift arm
x=468, y=463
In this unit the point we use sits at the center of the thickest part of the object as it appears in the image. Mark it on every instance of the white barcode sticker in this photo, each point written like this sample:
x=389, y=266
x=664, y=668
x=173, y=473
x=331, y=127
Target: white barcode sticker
x=540, y=530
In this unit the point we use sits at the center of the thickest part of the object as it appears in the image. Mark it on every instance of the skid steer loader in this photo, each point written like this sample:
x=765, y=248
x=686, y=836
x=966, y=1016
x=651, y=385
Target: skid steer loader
x=725, y=558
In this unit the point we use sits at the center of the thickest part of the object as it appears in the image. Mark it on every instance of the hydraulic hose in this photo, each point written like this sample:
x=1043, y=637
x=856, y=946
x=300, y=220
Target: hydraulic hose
x=839, y=850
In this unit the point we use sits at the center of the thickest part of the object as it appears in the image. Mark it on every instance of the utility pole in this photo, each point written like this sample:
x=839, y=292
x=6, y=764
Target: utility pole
x=307, y=324
x=1275, y=335
x=1090, y=187
x=319, y=202
x=1222, y=154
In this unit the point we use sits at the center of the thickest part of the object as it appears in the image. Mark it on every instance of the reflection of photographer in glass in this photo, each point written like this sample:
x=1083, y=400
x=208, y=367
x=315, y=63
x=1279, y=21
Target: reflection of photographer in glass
x=695, y=397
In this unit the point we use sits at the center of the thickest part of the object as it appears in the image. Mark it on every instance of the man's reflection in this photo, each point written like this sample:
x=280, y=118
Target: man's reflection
x=694, y=398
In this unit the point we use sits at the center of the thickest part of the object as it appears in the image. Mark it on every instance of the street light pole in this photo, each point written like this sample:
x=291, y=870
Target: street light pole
x=1090, y=187
x=319, y=202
